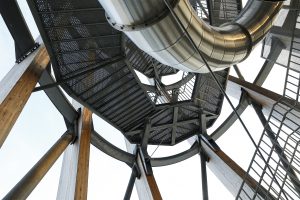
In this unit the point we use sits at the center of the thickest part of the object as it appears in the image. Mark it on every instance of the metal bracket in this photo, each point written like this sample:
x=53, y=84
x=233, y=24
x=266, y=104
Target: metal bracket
x=209, y=141
x=249, y=99
x=35, y=47
x=136, y=170
x=203, y=153
x=245, y=96
x=146, y=161
x=75, y=127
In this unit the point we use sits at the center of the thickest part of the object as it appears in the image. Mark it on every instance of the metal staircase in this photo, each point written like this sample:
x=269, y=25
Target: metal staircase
x=277, y=178
x=292, y=83
x=276, y=162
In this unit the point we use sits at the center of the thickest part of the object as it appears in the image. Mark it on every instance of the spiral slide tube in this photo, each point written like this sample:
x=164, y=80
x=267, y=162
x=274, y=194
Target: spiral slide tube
x=151, y=26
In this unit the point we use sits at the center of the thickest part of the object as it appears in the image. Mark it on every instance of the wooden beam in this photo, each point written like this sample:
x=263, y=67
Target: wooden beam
x=146, y=185
x=73, y=181
x=229, y=172
x=27, y=184
x=17, y=86
x=266, y=98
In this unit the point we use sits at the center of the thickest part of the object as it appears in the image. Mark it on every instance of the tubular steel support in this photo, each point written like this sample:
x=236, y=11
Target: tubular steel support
x=27, y=184
x=221, y=47
x=204, y=159
x=146, y=135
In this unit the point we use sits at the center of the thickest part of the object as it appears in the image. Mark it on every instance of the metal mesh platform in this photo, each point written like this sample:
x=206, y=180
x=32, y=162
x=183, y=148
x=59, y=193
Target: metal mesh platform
x=96, y=64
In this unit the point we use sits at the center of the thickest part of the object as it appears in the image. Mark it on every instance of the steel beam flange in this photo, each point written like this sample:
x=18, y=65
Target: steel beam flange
x=35, y=47
x=146, y=161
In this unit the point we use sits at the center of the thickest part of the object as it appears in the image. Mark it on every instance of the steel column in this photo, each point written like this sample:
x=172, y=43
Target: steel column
x=204, y=159
x=134, y=174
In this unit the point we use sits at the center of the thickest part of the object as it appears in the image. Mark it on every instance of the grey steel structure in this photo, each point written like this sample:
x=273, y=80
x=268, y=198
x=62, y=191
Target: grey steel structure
x=96, y=49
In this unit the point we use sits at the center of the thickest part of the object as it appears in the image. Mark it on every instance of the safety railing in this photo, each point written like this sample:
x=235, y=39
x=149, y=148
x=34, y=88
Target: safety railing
x=277, y=173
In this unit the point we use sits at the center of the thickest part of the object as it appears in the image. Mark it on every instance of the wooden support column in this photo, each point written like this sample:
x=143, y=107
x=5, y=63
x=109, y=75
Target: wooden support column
x=146, y=185
x=27, y=184
x=266, y=98
x=229, y=172
x=17, y=86
x=73, y=181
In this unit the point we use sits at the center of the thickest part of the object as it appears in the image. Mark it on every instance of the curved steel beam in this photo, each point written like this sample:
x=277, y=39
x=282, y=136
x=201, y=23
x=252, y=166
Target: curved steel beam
x=164, y=161
x=178, y=84
x=100, y=143
x=148, y=25
x=58, y=99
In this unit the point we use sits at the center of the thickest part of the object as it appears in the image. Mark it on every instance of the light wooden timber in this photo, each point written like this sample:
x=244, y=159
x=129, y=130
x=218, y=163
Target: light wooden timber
x=27, y=184
x=16, y=87
x=146, y=185
x=73, y=183
x=229, y=172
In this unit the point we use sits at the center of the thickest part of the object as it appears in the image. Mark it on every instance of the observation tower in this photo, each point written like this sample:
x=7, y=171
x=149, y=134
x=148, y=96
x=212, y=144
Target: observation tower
x=161, y=72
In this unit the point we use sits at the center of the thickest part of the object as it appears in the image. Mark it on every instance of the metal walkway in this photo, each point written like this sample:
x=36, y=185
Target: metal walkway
x=96, y=65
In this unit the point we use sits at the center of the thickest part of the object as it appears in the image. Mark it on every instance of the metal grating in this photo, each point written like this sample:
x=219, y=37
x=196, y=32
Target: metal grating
x=280, y=147
x=200, y=6
x=96, y=65
x=184, y=92
x=217, y=12
x=144, y=63
x=278, y=171
x=223, y=11
x=292, y=82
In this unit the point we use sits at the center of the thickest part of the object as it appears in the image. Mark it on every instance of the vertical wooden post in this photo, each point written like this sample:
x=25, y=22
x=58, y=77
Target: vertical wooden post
x=73, y=181
x=17, y=86
x=229, y=172
x=146, y=185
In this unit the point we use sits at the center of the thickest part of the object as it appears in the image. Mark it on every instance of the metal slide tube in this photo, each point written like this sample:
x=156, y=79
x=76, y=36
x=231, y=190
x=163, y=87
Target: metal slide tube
x=151, y=26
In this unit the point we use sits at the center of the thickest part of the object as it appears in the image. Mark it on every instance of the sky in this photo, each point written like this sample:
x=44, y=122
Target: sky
x=40, y=125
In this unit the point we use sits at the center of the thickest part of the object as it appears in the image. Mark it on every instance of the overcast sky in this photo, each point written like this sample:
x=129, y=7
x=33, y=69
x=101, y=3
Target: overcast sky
x=40, y=125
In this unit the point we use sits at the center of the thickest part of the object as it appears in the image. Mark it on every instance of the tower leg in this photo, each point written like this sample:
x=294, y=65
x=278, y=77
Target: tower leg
x=229, y=172
x=146, y=185
x=73, y=181
x=23, y=189
x=17, y=86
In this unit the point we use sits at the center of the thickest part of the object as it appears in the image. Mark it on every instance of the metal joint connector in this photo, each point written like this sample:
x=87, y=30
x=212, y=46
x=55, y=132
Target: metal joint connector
x=35, y=47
